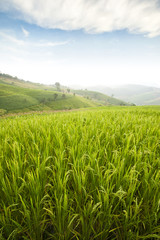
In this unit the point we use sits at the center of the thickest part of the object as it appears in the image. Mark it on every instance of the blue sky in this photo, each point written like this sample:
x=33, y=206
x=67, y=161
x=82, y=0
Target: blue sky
x=81, y=42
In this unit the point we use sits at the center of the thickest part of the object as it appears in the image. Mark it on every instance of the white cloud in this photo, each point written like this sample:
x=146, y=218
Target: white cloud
x=140, y=16
x=25, y=32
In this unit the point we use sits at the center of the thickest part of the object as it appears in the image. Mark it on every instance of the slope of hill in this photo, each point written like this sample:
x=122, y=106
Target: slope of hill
x=16, y=99
x=22, y=96
x=138, y=94
x=101, y=98
x=8, y=79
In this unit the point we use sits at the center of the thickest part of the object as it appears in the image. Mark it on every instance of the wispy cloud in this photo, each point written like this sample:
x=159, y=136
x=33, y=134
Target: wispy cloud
x=12, y=39
x=138, y=16
x=40, y=44
x=51, y=44
x=25, y=32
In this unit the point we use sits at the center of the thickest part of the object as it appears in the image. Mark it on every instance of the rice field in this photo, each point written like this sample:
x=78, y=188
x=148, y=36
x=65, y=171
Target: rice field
x=81, y=175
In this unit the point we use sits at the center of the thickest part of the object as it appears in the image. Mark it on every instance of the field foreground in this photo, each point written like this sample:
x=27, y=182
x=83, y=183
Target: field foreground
x=81, y=175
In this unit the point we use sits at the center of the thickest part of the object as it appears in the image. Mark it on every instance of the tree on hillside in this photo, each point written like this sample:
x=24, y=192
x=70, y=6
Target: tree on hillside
x=55, y=96
x=68, y=90
x=63, y=95
x=58, y=86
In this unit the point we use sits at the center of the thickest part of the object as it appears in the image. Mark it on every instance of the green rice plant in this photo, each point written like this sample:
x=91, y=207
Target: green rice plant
x=81, y=175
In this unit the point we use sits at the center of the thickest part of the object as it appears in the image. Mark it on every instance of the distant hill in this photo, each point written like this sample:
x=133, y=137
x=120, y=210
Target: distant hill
x=138, y=94
x=17, y=95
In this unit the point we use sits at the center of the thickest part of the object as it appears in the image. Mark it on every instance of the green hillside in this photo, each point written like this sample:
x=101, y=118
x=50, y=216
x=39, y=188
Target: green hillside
x=15, y=98
x=101, y=98
x=23, y=96
x=10, y=80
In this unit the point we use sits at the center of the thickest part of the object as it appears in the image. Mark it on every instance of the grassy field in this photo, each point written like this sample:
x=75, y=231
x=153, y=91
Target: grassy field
x=81, y=175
